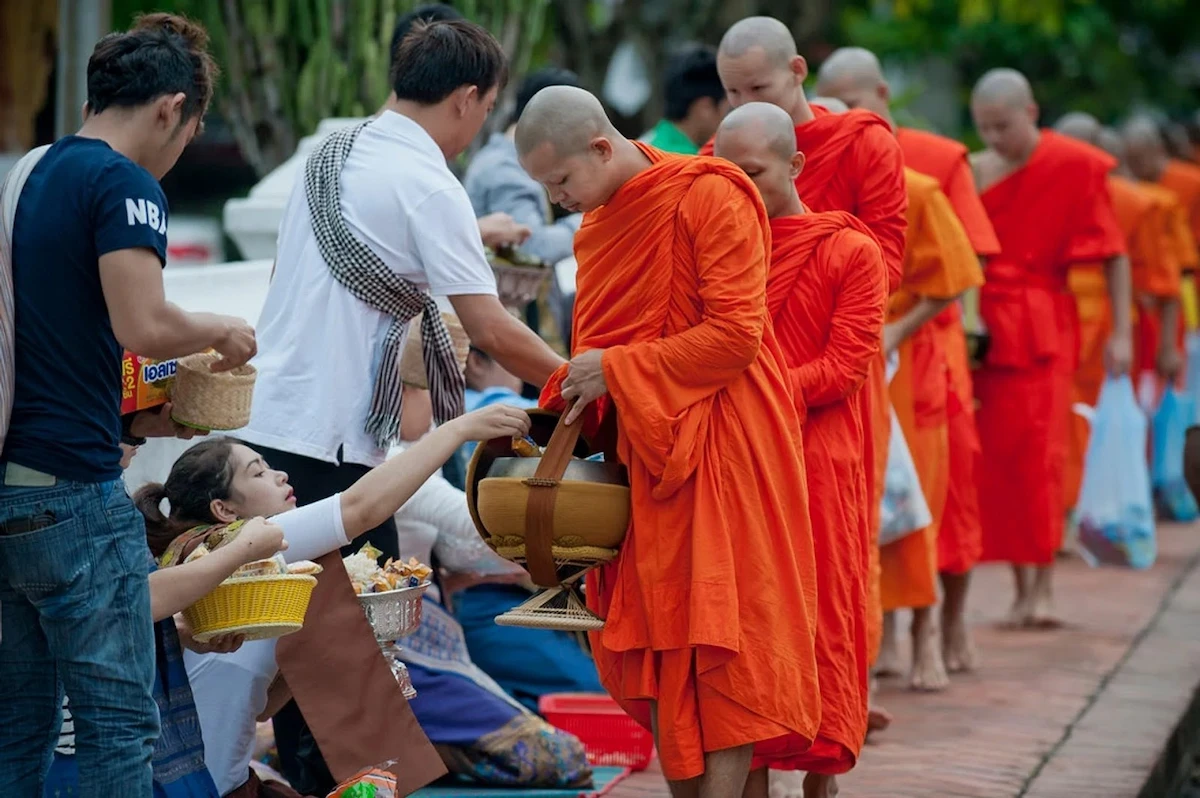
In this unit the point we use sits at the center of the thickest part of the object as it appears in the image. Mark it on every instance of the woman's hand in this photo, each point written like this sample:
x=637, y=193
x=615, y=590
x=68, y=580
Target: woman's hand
x=258, y=540
x=493, y=421
x=501, y=230
x=156, y=423
x=221, y=644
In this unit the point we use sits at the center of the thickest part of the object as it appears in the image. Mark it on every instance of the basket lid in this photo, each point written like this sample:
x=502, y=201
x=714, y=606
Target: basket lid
x=486, y=453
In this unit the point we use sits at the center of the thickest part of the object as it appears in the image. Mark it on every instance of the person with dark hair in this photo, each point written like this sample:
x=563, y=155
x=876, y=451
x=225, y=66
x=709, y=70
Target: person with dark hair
x=83, y=243
x=496, y=183
x=377, y=229
x=695, y=101
x=496, y=229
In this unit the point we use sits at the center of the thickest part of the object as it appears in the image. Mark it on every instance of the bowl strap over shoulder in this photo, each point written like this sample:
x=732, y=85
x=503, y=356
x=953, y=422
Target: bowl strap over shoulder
x=543, y=495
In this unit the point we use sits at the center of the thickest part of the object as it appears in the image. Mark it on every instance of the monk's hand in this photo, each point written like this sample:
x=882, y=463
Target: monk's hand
x=891, y=338
x=584, y=383
x=1169, y=361
x=501, y=230
x=1118, y=355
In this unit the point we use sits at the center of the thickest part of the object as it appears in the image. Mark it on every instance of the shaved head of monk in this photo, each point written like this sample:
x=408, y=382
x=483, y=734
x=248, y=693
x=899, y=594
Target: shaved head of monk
x=1079, y=125
x=1145, y=150
x=854, y=76
x=566, y=142
x=761, y=139
x=1005, y=114
x=758, y=62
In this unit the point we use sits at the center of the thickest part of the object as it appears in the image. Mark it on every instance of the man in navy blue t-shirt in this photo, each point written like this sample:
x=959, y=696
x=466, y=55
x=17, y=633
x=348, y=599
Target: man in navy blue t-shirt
x=89, y=239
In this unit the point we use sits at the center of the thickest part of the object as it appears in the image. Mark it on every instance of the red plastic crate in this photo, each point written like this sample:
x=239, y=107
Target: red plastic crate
x=610, y=737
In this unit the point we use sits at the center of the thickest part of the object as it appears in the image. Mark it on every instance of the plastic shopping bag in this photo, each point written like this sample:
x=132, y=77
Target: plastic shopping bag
x=903, y=509
x=1170, y=424
x=1116, y=520
x=367, y=783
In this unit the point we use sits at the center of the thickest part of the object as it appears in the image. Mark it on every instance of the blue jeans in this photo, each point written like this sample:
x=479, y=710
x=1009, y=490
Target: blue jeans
x=75, y=614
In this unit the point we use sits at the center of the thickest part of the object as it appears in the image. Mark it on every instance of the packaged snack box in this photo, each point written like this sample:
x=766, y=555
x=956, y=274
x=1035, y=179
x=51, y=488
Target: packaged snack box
x=145, y=383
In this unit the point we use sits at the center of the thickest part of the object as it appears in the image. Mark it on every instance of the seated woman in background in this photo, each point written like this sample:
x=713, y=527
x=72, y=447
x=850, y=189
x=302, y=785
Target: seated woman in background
x=524, y=663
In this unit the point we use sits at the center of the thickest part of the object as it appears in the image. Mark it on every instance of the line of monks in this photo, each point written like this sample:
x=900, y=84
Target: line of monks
x=733, y=316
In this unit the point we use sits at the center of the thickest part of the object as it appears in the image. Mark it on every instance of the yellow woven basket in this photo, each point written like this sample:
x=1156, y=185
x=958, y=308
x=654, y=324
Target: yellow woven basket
x=258, y=607
x=208, y=400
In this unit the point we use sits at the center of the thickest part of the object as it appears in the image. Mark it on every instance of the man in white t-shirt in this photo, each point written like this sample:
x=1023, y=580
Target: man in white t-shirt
x=320, y=347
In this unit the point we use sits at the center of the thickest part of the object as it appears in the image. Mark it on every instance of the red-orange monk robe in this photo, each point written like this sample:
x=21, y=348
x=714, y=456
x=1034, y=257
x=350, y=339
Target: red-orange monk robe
x=1160, y=277
x=854, y=164
x=960, y=535
x=1142, y=222
x=710, y=606
x=939, y=263
x=1051, y=213
x=826, y=295
x=1183, y=178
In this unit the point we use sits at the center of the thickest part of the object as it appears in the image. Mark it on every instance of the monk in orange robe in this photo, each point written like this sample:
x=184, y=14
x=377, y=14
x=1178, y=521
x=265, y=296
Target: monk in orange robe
x=854, y=76
x=826, y=294
x=852, y=164
x=1158, y=286
x=1048, y=201
x=1149, y=160
x=1143, y=222
x=672, y=341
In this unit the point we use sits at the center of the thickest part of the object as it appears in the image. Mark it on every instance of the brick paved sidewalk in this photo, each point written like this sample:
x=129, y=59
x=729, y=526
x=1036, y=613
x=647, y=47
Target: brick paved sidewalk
x=1076, y=713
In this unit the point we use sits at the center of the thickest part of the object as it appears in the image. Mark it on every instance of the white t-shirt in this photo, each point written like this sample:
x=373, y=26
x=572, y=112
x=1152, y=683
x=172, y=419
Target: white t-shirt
x=319, y=346
x=230, y=690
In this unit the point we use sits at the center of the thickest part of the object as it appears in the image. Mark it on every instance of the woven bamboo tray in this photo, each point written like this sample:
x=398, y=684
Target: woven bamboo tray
x=208, y=400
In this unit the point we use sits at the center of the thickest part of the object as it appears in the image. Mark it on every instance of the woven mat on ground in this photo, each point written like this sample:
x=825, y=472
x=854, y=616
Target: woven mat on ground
x=604, y=778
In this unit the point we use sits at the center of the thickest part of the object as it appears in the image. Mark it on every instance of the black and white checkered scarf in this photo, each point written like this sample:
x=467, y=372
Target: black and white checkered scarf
x=368, y=278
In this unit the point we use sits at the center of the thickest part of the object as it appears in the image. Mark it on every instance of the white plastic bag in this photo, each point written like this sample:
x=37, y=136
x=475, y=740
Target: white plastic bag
x=1116, y=519
x=903, y=509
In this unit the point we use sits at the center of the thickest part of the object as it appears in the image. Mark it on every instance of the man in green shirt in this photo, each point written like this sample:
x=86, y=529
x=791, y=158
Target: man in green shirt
x=695, y=102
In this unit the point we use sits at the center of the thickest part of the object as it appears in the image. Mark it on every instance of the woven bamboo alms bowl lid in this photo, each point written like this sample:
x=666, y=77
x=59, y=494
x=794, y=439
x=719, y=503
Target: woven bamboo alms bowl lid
x=208, y=400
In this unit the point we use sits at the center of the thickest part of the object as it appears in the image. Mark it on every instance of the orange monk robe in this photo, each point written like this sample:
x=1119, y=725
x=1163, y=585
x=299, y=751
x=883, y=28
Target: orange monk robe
x=1142, y=222
x=710, y=605
x=1051, y=213
x=960, y=534
x=1183, y=178
x=854, y=164
x=826, y=294
x=939, y=263
x=1179, y=258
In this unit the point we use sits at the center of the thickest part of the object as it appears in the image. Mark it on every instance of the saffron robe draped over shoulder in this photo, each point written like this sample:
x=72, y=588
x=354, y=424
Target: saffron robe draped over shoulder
x=959, y=536
x=1143, y=223
x=853, y=163
x=1049, y=214
x=826, y=293
x=710, y=606
x=939, y=263
x=1184, y=180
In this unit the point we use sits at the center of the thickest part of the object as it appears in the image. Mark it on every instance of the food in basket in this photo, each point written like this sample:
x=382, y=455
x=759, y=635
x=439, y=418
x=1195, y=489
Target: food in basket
x=272, y=566
x=304, y=567
x=368, y=577
x=511, y=256
x=525, y=447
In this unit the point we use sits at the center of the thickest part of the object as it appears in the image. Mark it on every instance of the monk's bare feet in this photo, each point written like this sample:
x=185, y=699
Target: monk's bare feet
x=889, y=663
x=817, y=785
x=958, y=645
x=1021, y=613
x=787, y=784
x=928, y=670
x=878, y=719
x=1042, y=614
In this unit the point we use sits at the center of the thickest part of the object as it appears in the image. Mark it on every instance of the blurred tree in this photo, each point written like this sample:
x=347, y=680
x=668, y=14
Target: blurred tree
x=288, y=64
x=1100, y=57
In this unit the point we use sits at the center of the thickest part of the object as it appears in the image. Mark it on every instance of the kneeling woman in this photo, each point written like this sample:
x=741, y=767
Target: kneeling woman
x=220, y=481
